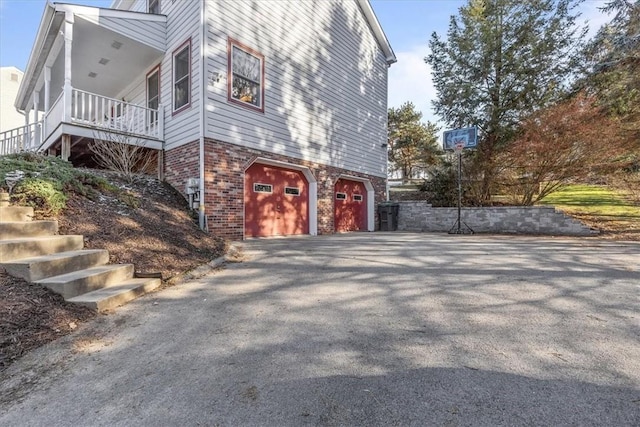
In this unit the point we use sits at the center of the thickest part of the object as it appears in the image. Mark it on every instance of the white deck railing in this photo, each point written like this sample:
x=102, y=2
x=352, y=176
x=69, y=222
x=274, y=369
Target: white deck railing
x=113, y=115
x=87, y=109
x=24, y=138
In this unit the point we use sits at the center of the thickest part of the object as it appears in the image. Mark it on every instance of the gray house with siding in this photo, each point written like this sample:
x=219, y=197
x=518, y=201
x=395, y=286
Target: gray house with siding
x=270, y=117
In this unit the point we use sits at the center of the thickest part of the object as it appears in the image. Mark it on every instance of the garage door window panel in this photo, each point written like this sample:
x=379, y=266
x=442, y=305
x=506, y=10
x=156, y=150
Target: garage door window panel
x=262, y=188
x=292, y=191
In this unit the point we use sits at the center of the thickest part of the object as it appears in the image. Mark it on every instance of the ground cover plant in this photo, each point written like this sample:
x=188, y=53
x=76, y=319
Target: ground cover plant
x=141, y=221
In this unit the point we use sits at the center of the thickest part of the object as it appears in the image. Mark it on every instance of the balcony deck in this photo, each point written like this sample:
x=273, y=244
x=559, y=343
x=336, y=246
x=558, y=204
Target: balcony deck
x=86, y=115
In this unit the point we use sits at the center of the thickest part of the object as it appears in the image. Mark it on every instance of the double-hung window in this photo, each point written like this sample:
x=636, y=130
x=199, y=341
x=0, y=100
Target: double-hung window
x=153, y=95
x=182, y=77
x=246, y=76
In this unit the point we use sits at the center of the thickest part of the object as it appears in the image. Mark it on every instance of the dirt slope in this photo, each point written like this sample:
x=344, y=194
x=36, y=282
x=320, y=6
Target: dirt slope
x=147, y=223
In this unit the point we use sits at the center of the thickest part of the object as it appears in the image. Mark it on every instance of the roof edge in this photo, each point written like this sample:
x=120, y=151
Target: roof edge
x=378, y=32
x=43, y=29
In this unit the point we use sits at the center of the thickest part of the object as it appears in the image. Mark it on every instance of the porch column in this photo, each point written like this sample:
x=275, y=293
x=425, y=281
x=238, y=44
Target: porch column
x=47, y=88
x=47, y=96
x=68, y=42
x=36, y=129
x=160, y=165
x=65, y=151
x=25, y=141
x=36, y=100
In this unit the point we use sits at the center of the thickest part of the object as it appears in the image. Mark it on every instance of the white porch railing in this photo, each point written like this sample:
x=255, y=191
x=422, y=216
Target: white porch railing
x=113, y=115
x=87, y=109
x=24, y=138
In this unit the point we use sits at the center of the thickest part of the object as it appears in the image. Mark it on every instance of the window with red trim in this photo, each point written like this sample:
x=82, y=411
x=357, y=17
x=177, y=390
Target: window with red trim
x=246, y=76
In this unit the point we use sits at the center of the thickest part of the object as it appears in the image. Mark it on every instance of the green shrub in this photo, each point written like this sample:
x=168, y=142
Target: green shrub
x=442, y=187
x=48, y=181
x=44, y=196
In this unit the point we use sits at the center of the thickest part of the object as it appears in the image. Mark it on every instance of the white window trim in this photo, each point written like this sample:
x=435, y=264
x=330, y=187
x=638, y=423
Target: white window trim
x=186, y=45
x=156, y=72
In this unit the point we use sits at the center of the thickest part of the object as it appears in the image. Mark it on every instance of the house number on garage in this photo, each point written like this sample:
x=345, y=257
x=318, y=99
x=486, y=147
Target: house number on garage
x=262, y=188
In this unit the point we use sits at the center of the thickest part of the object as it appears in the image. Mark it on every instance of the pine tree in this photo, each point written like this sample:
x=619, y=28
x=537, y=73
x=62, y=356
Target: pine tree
x=413, y=145
x=612, y=62
x=501, y=61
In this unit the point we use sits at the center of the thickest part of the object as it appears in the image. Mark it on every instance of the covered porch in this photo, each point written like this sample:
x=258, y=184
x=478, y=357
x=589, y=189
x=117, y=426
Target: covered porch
x=83, y=63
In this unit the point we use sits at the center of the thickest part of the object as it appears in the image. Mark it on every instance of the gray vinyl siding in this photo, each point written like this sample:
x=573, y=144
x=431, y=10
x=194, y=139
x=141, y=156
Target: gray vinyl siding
x=325, y=85
x=183, y=19
x=150, y=33
x=140, y=6
x=183, y=22
x=136, y=93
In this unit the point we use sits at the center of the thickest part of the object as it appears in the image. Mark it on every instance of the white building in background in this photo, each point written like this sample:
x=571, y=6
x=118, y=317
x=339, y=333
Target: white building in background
x=10, y=78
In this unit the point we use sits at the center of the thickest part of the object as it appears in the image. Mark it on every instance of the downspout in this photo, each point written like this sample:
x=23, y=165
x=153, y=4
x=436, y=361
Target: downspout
x=203, y=111
x=22, y=113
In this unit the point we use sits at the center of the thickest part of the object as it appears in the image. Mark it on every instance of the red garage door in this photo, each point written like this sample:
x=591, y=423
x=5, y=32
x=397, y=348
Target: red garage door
x=276, y=202
x=351, y=206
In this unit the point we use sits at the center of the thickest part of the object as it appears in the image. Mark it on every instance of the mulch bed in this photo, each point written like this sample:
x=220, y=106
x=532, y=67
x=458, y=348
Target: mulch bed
x=31, y=315
x=147, y=223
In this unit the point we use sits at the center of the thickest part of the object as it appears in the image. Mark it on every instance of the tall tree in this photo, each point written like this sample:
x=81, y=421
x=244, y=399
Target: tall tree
x=613, y=64
x=413, y=145
x=501, y=61
x=561, y=143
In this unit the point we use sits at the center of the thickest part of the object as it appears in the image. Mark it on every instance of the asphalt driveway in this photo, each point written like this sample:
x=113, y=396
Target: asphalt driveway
x=362, y=329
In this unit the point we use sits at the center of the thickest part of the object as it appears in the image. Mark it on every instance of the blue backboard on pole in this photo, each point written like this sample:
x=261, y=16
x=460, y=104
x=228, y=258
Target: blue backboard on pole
x=468, y=137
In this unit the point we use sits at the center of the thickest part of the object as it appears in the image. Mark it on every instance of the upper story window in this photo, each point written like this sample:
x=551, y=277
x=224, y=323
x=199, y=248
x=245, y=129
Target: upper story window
x=153, y=6
x=246, y=76
x=153, y=94
x=182, y=77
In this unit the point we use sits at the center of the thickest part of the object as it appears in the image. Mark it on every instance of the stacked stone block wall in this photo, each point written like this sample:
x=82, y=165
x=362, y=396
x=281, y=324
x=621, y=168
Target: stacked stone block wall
x=421, y=216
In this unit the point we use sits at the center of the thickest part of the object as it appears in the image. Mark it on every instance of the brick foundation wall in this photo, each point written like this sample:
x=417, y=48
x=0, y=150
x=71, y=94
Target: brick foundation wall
x=224, y=183
x=180, y=164
x=420, y=216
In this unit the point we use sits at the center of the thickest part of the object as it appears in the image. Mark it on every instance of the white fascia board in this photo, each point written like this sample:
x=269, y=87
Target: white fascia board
x=378, y=32
x=108, y=13
x=36, y=51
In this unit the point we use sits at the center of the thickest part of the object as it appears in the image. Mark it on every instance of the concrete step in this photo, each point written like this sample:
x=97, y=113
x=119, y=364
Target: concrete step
x=80, y=282
x=18, y=229
x=36, y=268
x=16, y=213
x=116, y=295
x=28, y=247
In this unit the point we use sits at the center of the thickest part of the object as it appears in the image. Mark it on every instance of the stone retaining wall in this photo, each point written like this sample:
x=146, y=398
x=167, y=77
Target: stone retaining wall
x=421, y=216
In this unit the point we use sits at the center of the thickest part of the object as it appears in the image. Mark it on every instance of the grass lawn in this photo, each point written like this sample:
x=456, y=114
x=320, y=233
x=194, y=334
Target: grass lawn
x=600, y=207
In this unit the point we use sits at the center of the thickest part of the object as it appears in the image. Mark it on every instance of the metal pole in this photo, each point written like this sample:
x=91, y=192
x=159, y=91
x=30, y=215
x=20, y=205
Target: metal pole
x=459, y=188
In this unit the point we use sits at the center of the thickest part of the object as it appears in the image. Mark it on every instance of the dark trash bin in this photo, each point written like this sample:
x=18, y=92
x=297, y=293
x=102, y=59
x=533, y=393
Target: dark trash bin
x=388, y=216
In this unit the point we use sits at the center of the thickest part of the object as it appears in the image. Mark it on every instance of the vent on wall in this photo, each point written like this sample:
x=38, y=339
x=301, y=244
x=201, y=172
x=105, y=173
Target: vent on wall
x=93, y=75
x=103, y=61
x=116, y=45
x=14, y=77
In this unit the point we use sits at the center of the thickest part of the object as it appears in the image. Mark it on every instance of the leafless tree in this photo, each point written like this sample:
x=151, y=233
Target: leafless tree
x=124, y=154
